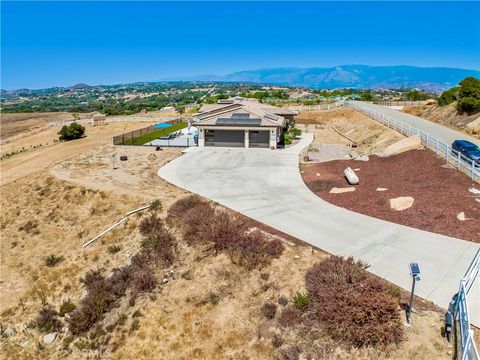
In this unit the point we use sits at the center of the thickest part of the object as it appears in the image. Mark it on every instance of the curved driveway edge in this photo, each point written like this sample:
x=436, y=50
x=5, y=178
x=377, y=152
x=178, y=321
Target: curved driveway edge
x=266, y=185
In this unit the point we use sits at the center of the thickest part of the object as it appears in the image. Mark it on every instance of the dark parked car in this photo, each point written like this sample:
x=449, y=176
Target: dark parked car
x=467, y=149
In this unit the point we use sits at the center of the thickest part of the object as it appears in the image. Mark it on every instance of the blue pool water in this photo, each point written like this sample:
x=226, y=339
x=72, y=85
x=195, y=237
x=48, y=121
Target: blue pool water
x=162, y=126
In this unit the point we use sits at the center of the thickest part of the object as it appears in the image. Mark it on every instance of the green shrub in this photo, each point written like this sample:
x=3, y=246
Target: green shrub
x=470, y=87
x=294, y=131
x=66, y=307
x=287, y=139
x=448, y=96
x=301, y=300
x=468, y=105
x=71, y=132
x=53, y=260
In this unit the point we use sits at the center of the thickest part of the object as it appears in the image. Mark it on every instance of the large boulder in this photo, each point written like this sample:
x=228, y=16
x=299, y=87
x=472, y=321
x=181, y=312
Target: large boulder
x=401, y=203
x=409, y=143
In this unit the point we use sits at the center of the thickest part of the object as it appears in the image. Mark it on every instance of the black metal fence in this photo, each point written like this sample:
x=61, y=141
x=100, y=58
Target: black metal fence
x=128, y=138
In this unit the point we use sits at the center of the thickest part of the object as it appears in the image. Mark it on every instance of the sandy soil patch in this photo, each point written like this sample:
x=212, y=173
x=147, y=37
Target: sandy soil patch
x=42, y=151
x=436, y=203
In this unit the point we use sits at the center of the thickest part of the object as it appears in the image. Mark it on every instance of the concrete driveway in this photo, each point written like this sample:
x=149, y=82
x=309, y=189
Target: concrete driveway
x=267, y=186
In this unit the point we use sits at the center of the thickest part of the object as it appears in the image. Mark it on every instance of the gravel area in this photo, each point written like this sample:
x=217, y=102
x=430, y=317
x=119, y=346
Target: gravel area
x=439, y=193
x=327, y=152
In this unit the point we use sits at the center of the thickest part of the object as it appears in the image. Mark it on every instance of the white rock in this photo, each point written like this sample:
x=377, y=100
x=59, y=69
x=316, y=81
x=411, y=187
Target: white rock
x=474, y=191
x=381, y=189
x=401, y=203
x=357, y=169
x=461, y=216
x=164, y=281
x=352, y=178
x=10, y=330
x=362, y=158
x=83, y=295
x=172, y=271
x=296, y=257
x=477, y=200
x=318, y=174
x=336, y=190
x=50, y=338
x=25, y=343
x=409, y=143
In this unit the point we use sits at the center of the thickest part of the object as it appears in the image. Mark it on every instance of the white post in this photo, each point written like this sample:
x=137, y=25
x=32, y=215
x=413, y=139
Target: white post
x=436, y=147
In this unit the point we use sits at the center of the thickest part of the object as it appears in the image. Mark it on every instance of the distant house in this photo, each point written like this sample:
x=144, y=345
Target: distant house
x=242, y=123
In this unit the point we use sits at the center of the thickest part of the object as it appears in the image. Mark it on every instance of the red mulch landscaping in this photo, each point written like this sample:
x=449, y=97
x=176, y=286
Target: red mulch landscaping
x=440, y=193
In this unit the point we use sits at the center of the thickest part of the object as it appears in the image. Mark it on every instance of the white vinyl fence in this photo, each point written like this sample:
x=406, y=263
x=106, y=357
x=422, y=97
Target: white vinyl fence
x=468, y=349
x=316, y=107
x=452, y=157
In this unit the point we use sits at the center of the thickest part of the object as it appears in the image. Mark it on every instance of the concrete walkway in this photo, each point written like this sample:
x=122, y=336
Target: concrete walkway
x=267, y=186
x=439, y=132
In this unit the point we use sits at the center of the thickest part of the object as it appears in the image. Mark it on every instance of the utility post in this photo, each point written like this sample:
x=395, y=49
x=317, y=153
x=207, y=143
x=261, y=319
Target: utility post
x=415, y=274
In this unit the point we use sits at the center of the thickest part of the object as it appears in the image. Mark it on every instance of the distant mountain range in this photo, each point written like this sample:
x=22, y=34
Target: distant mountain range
x=349, y=76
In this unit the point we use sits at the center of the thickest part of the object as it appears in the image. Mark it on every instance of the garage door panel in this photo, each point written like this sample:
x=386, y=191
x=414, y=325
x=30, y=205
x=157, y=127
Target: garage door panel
x=259, y=139
x=228, y=138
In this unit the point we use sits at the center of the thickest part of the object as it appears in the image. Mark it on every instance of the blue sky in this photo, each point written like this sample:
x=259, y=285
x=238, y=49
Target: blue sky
x=62, y=43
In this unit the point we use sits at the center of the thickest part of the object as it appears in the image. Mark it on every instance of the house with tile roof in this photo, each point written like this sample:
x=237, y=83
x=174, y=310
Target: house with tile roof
x=242, y=123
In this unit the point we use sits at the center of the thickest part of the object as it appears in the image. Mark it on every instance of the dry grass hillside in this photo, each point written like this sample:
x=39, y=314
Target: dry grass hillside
x=159, y=289
x=346, y=126
x=446, y=115
x=13, y=124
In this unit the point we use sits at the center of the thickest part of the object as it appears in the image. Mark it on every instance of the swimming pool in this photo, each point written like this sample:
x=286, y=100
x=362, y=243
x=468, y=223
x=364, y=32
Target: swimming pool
x=162, y=125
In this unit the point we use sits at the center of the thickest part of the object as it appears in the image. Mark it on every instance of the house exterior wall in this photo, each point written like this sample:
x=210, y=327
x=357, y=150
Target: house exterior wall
x=273, y=131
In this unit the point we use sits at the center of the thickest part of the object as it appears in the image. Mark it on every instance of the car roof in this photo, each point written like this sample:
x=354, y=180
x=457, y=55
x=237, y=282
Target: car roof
x=465, y=142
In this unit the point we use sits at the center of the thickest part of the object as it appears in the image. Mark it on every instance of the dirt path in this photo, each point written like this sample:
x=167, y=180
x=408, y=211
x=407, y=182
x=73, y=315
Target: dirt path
x=48, y=153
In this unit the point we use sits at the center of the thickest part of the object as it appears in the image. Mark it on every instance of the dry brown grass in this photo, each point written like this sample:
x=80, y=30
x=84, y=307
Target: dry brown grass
x=444, y=115
x=368, y=134
x=209, y=308
x=13, y=124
